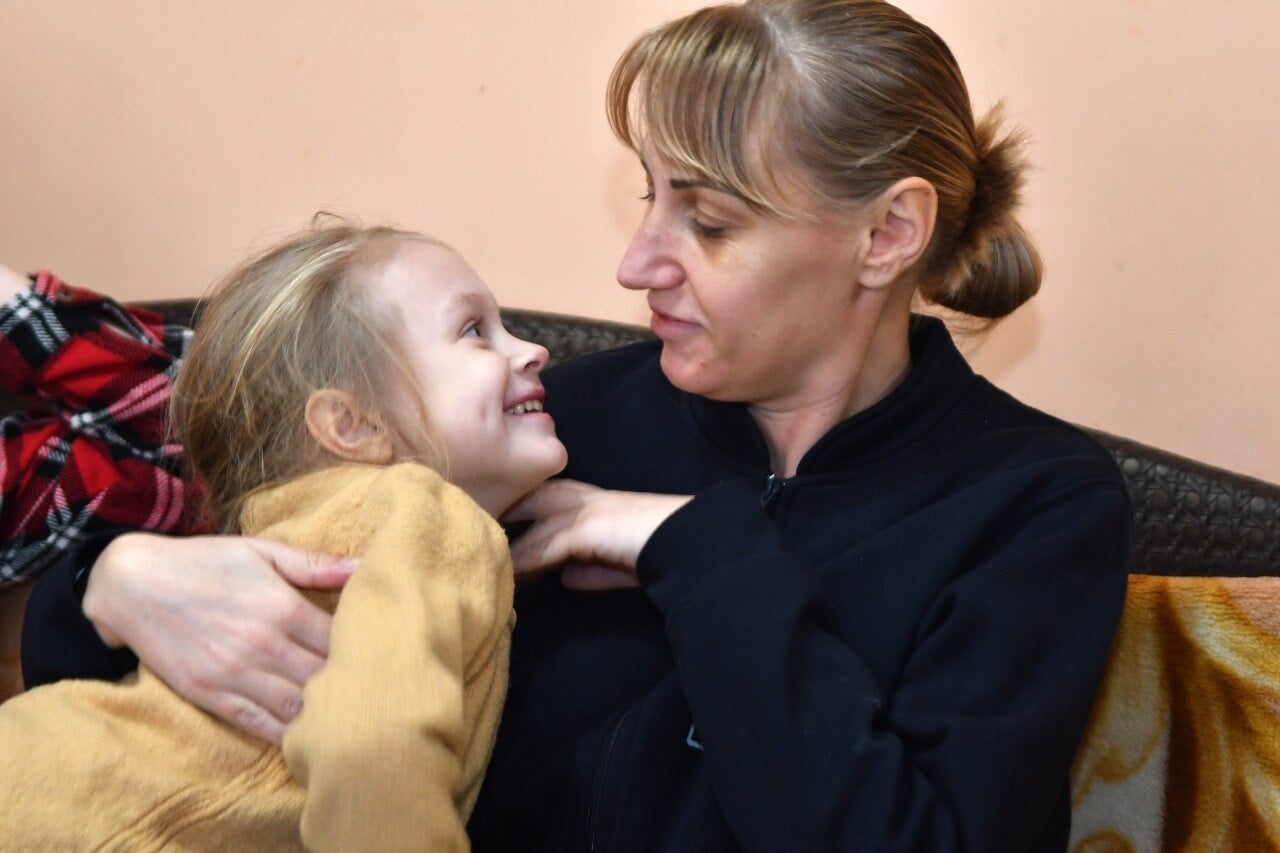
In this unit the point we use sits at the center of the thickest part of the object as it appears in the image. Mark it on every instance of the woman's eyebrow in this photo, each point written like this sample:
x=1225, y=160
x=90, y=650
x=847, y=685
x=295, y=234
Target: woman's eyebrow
x=694, y=184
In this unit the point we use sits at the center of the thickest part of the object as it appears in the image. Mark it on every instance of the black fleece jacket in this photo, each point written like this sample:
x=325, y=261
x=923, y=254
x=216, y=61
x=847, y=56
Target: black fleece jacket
x=895, y=649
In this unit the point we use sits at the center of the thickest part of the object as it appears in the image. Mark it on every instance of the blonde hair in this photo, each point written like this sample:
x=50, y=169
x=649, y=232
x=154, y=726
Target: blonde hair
x=858, y=95
x=297, y=318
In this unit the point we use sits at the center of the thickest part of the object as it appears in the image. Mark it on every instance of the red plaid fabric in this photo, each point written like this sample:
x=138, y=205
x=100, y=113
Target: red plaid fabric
x=91, y=452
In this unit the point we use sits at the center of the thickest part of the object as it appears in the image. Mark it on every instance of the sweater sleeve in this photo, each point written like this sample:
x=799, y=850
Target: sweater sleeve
x=970, y=749
x=386, y=740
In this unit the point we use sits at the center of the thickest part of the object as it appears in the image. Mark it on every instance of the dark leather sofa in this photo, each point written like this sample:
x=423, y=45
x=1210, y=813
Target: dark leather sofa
x=1189, y=518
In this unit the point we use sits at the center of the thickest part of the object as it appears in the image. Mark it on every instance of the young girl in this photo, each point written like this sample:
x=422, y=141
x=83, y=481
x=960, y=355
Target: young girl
x=352, y=391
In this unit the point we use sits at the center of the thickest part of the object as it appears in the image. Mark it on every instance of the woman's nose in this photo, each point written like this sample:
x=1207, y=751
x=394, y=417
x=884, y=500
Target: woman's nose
x=648, y=263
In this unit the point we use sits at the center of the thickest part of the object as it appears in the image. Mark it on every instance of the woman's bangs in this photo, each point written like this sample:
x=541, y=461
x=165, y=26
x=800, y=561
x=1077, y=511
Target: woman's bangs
x=693, y=91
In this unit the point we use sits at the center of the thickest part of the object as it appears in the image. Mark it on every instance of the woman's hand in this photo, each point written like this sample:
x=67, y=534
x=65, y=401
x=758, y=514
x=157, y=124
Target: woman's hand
x=598, y=532
x=219, y=620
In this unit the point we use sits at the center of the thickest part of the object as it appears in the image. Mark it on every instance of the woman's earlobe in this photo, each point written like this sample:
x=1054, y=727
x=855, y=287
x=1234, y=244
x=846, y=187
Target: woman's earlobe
x=347, y=429
x=901, y=231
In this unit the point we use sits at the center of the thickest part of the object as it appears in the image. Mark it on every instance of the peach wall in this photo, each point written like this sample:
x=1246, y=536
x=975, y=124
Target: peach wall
x=145, y=147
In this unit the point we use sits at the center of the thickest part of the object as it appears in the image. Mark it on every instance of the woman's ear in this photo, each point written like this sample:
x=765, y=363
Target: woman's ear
x=901, y=228
x=347, y=429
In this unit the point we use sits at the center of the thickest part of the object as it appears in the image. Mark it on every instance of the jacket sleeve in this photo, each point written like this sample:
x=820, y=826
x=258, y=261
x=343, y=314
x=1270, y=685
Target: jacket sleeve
x=58, y=641
x=972, y=747
x=382, y=743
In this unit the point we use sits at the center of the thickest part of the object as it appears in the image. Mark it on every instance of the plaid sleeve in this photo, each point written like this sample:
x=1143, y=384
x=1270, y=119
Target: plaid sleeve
x=110, y=368
x=93, y=451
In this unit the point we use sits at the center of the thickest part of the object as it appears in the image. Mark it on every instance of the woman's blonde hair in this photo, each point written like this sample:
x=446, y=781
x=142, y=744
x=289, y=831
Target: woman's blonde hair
x=302, y=316
x=858, y=95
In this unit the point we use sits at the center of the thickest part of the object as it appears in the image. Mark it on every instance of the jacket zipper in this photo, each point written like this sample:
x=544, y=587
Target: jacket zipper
x=772, y=488
x=602, y=773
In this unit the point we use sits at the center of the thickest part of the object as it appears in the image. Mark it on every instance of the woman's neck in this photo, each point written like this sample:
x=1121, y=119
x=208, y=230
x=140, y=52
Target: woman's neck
x=873, y=361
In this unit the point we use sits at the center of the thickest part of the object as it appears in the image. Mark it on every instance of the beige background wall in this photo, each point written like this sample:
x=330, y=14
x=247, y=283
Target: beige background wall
x=145, y=147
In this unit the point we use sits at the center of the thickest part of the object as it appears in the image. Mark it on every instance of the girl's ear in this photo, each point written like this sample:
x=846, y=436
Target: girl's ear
x=347, y=429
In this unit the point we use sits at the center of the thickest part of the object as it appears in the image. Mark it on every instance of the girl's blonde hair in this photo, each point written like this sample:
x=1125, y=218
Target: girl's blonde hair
x=858, y=95
x=301, y=316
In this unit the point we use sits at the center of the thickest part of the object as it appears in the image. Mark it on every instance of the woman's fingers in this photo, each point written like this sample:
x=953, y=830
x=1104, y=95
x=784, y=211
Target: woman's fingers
x=305, y=569
x=597, y=578
x=580, y=524
x=249, y=718
x=301, y=621
x=218, y=619
x=550, y=498
x=544, y=545
x=267, y=705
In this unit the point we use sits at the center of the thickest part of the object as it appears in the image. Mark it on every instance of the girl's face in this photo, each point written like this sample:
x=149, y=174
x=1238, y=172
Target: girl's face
x=749, y=308
x=480, y=384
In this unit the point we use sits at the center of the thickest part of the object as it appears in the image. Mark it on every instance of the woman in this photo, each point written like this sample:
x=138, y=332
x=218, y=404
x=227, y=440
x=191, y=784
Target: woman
x=875, y=593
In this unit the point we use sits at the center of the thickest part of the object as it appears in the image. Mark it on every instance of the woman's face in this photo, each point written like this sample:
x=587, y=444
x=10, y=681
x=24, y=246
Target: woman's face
x=749, y=308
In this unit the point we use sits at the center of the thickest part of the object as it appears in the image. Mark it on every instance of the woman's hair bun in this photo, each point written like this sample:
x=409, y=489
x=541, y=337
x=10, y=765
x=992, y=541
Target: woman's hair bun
x=994, y=266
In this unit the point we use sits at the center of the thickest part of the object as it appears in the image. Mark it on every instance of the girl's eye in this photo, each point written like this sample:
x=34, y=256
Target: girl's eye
x=648, y=192
x=471, y=330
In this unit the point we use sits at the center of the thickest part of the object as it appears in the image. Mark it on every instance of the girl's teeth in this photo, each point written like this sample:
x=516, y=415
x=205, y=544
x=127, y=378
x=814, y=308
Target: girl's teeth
x=523, y=408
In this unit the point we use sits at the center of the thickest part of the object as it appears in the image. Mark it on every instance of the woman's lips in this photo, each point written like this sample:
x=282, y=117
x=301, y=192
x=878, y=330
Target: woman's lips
x=669, y=328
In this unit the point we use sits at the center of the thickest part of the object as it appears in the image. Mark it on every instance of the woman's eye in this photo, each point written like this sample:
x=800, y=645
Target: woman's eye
x=472, y=330
x=709, y=232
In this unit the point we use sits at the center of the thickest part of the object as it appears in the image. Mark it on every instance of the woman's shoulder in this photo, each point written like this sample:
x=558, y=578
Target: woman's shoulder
x=1019, y=434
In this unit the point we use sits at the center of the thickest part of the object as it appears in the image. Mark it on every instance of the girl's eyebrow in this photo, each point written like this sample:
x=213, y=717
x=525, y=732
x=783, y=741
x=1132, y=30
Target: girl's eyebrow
x=467, y=302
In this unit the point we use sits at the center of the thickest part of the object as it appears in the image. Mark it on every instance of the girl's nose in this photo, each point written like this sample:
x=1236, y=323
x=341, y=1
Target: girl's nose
x=529, y=357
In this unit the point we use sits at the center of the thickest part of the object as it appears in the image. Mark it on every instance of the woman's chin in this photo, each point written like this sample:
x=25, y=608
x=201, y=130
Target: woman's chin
x=688, y=374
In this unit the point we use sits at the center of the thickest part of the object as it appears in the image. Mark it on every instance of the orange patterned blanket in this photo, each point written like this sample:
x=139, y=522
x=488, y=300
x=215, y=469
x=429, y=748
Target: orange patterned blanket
x=1183, y=749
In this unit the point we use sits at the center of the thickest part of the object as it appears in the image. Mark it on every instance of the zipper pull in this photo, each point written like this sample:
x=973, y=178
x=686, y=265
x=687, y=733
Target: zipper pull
x=772, y=488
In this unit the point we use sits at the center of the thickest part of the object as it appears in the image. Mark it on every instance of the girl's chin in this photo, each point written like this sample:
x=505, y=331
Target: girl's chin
x=541, y=465
x=556, y=458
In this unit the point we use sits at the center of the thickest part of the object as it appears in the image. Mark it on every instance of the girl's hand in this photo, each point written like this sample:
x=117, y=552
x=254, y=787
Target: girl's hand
x=219, y=620
x=598, y=532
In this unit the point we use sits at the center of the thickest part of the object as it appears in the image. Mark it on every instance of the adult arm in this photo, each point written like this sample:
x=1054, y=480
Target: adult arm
x=972, y=748
x=396, y=728
x=217, y=618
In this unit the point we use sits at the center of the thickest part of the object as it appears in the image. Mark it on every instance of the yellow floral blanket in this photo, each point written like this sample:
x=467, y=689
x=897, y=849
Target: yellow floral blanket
x=1183, y=749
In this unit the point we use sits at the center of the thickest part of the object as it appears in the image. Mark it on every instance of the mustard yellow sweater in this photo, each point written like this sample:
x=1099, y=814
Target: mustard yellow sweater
x=395, y=732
